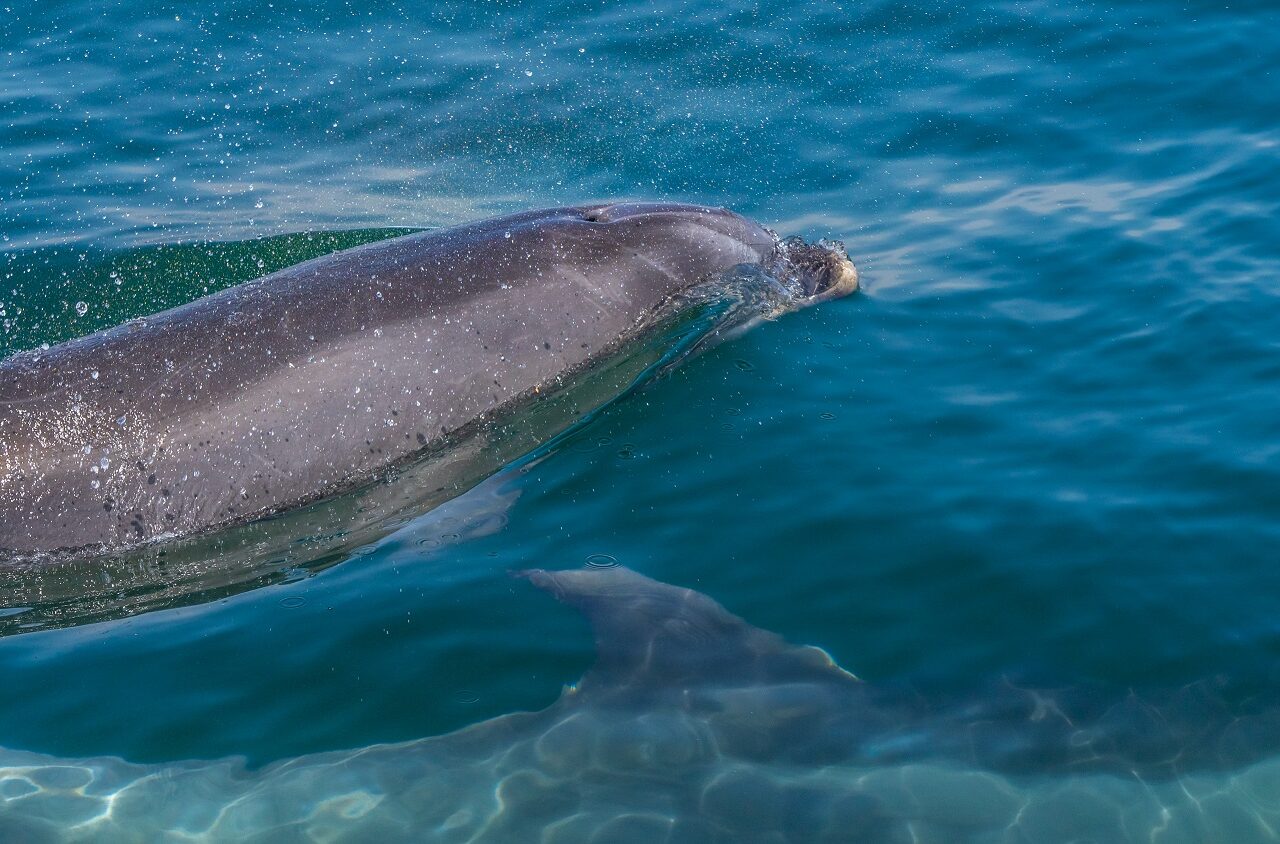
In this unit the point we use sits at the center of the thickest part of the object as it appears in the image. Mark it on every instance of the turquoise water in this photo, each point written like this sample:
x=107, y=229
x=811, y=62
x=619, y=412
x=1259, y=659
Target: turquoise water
x=1041, y=444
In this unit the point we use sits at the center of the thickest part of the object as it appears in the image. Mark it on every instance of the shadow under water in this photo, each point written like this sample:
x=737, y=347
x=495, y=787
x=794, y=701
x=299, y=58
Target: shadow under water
x=50, y=591
x=695, y=726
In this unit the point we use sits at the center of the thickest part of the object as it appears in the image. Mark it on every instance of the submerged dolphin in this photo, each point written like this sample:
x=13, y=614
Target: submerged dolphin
x=292, y=387
x=695, y=726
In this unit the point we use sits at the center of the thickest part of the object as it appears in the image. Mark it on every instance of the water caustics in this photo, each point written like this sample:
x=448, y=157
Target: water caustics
x=694, y=726
x=1042, y=446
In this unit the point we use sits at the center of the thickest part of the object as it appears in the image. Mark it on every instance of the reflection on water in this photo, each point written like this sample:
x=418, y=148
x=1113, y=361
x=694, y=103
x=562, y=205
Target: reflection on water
x=109, y=288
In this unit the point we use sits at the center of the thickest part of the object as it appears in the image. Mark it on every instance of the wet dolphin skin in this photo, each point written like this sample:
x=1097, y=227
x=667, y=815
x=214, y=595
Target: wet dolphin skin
x=291, y=387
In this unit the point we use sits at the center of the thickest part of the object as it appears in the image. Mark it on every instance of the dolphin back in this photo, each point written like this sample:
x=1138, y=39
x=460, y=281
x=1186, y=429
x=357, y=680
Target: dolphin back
x=299, y=384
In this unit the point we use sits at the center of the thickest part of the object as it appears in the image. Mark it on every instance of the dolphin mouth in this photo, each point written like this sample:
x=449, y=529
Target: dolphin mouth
x=822, y=270
x=841, y=280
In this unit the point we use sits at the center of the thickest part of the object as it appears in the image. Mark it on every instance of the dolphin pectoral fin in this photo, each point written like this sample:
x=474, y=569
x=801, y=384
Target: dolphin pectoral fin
x=652, y=636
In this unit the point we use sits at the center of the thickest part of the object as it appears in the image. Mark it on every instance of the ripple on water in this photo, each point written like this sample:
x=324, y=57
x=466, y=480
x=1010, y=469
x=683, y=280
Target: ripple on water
x=1052, y=439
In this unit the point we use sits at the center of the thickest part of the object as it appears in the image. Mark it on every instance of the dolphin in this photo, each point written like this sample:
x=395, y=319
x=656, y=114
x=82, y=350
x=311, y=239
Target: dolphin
x=695, y=726
x=308, y=381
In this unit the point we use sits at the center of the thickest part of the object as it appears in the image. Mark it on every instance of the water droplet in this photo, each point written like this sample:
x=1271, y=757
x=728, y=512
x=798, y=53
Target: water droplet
x=602, y=561
x=82, y=308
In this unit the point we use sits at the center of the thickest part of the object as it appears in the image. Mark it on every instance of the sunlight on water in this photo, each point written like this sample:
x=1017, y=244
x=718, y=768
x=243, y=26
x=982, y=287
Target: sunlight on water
x=627, y=757
x=1038, y=452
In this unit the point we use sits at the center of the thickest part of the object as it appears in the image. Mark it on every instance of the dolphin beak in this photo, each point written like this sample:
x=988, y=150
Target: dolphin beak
x=839, y=278
x=823, y=269
x=844, y=279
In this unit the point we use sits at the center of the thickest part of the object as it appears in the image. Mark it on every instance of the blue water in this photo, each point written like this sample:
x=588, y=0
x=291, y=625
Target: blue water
x=1042, y=443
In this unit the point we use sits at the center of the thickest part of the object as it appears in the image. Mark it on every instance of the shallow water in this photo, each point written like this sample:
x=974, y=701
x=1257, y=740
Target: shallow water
x=1041, y=444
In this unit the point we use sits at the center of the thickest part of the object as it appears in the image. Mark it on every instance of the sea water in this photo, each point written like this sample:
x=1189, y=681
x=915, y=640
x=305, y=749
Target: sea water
x=1042, y=443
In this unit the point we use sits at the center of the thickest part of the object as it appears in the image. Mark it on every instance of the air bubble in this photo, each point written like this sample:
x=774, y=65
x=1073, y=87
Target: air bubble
x=602, y=561
x=292, y=602
x=82, y=308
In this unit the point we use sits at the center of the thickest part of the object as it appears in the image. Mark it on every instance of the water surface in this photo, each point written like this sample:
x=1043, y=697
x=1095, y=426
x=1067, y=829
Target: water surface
x=1042, y=443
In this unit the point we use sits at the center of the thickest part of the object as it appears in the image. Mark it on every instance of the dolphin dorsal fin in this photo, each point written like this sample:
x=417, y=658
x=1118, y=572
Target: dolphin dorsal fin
x=654, y=635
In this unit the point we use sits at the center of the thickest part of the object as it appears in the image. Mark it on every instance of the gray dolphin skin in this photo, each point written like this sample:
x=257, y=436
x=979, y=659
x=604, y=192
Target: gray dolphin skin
x=695, y=726
x=295, y=386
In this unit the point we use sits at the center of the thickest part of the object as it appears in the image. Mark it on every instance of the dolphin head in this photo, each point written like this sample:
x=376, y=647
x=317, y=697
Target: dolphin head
x=822, y=270
x=704, y=239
